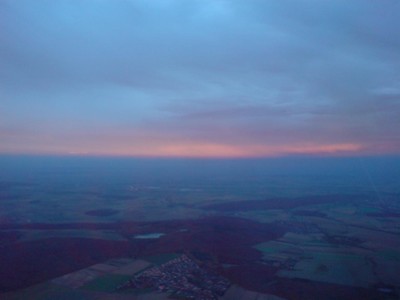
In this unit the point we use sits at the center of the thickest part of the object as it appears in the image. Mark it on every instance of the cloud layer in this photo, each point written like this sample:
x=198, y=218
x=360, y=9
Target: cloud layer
x=200, y=78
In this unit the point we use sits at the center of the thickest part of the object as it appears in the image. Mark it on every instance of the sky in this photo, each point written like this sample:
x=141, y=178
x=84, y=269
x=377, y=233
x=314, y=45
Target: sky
x=200, y=78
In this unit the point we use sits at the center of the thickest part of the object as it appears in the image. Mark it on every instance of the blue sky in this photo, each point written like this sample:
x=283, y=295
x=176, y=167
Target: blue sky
x=200, y=78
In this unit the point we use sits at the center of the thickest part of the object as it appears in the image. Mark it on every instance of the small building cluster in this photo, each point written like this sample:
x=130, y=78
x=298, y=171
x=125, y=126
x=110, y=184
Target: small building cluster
x=182, y=277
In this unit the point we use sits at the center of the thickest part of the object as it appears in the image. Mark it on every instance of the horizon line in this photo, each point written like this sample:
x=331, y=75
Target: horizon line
x=197, y=157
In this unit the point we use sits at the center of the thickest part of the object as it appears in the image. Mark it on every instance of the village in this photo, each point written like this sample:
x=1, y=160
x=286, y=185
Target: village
x=181, y=277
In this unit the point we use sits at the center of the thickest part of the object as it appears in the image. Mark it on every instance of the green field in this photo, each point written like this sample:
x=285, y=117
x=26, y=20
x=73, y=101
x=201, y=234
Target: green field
x=106, y=283
x=345, y=269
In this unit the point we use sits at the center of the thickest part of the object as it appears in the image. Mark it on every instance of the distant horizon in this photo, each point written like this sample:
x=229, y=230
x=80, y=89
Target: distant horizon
x=219, y=155
x=233, y=158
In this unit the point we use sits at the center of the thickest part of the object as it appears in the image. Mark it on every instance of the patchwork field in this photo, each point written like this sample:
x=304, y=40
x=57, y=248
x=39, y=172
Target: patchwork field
x=345, y=246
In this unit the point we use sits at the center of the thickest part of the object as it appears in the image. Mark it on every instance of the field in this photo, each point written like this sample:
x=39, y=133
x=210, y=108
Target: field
x=294, y=238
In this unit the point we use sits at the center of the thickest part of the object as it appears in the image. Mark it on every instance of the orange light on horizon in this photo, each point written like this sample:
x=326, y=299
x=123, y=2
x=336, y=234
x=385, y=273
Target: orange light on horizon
x=212, y=150
x=147, y=145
